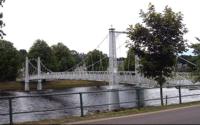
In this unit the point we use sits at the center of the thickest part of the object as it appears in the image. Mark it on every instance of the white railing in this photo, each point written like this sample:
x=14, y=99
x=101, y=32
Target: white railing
x=122, y=77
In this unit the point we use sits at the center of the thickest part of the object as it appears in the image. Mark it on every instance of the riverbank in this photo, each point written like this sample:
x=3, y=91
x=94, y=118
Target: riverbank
x=121, y=112
x=56, y=85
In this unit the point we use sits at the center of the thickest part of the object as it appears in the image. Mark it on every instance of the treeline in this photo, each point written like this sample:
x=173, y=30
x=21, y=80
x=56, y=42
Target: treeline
x=57, y=58
x=60, y=58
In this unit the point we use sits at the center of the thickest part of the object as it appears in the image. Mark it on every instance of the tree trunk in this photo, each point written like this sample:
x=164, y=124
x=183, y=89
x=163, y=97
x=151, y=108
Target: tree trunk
x=161, y=95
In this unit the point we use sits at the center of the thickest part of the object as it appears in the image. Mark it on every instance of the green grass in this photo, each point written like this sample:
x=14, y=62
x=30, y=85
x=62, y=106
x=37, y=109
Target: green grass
x=121, y=112
x=9, y=86
x=56, y=84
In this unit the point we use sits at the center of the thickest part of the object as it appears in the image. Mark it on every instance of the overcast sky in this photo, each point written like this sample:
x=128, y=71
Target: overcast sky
x=82, y=24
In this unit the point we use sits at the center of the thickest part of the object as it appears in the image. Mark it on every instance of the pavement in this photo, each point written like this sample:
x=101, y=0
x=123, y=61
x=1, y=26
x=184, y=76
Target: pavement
x=184, y=115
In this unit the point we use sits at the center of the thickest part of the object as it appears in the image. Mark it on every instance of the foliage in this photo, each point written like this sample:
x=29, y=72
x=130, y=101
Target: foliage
x=196, y=59
x=196, y=48
x=63, y=56
x=9, y=61
x=96, y=61
x=157, y=42
x=77, y=56
x=120, y=63
x=129, y=63
x=41, y=49
x=57, y=58
x=2, y=24
x=22, y=56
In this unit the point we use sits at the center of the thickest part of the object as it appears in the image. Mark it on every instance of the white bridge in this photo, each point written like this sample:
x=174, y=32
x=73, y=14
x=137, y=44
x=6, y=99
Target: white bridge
x=128, y=77
x=121, y=76
x=113, y=76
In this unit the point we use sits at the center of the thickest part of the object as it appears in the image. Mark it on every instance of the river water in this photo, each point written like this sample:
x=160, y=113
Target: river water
x=67, y=101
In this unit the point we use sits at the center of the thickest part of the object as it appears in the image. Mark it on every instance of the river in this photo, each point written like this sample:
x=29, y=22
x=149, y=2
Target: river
x=64, y=101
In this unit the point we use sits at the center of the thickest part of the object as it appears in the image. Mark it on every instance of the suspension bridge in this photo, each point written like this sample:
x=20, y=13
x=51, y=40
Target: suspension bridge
x=112, y=75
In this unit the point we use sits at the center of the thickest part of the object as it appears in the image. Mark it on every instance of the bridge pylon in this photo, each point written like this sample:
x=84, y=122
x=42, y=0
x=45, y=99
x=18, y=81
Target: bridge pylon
x=39, y=85
x=113, y=83
x=26, y=86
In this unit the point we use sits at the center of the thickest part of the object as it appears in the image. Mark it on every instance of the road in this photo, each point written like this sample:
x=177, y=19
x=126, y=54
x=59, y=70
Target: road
x=187, y=115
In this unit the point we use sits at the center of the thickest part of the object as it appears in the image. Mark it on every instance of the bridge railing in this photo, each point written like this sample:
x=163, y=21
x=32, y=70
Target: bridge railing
x=122, y=77
x=85, y=75
x=136, y=100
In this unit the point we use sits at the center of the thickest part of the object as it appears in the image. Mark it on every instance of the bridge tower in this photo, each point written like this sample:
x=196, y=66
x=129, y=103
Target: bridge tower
x=139, y=89
x=39, y=85
x=113, y=83
x=26, y=86
x=137, y=73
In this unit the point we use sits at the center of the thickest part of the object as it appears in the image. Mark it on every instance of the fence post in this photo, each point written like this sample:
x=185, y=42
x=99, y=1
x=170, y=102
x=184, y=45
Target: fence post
x=138, y=97
x=179, y=91
x=161, y=95
x=81, y=104
x=166, y=99
x=10, y=111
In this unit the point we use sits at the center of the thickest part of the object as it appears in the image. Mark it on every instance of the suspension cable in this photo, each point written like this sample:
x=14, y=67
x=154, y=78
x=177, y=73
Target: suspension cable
x=96, y=62
x=32, y=68
x=88, y=55
x=187, y=61
x=32, y=65
x=45, y=67
x=106, y=57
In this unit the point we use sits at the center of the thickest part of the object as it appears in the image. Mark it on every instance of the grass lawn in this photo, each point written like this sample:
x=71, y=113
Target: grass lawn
x=56, y=84
x=121, y=112
x=9, y=86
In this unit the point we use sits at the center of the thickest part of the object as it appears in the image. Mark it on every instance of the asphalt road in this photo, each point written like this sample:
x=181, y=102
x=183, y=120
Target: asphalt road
x=189, y=115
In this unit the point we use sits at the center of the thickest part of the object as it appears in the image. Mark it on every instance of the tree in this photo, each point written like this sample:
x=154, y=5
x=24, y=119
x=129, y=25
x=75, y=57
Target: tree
x=129, y=63
x=157, y=42
x=196, y=59
x=41, y=49
x=22, y=55
x=63, y=56
x=77, y=57
x=196, y=48
x=2, y=24
x=96, y=61
x=9, y=61
x=120, y=63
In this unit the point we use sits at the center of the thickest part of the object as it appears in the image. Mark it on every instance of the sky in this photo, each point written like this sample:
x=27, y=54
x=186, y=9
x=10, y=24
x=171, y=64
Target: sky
x=82, y=24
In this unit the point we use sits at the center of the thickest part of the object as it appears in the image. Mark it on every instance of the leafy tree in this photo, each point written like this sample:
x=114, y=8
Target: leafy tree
x=157, y=42
x=77, y=57
x=129, y=63
x=120, y=63
x=64, y=58
x=96, y=61
x=196, y=59
x=2, y=24
x=41, y=49
x=9, y=61
x=196, y=47
x=22, y=55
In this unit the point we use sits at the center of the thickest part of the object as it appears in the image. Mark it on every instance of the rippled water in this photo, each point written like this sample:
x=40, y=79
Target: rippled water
x=65, y=101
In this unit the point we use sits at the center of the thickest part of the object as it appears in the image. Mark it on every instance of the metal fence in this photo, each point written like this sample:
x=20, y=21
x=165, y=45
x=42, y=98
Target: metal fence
x=81, y=106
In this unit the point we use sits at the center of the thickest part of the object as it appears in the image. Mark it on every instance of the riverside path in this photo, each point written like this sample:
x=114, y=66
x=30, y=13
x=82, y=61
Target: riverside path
x=186, y=115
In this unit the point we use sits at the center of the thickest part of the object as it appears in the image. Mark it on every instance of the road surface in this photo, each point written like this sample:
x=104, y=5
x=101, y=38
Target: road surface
x=187, y=115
